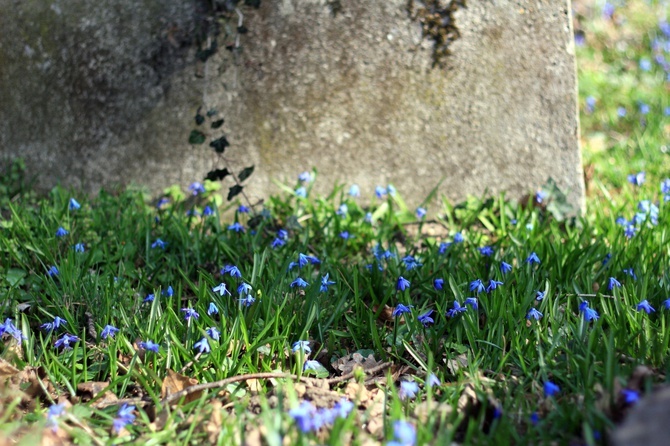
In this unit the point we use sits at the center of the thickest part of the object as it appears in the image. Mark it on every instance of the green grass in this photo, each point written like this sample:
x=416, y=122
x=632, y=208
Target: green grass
x=492, y=362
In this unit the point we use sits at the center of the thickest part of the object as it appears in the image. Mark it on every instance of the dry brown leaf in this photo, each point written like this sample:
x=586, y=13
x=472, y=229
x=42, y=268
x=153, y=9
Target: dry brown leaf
x=7, y=370
x=213, y=425
x=93, y=389
x=174, y=382
x=457, y=363
x=254, y=385
x=357, y=392
x=423, y=410
x=375, y=426
x=347, y=363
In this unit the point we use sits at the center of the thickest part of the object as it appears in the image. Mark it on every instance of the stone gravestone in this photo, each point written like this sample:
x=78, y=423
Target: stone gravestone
x=97, y=93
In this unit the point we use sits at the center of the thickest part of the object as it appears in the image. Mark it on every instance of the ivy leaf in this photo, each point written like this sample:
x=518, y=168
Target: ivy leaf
x=217, y=174
x=253, y=3
x=246, y=173
x=196, y=137
x=199, y=119
x=234, y=191
x=217, y=124
x=220, y=144
x=211, y=112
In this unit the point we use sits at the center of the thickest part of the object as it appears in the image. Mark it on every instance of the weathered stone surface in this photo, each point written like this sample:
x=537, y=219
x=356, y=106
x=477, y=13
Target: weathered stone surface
x=94, y=94
x=646, y=425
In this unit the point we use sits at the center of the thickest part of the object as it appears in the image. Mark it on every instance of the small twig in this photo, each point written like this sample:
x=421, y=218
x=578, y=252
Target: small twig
x=233, y=379
x=190, y=363
x=370, y=371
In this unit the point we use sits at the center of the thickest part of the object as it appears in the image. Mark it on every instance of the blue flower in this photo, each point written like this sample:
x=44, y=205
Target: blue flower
x=305, y=177
x=411, y=263
x=11, y=329
x=149, y=298
x=630, y=231
x=302, y=346
x=471, y=301
x=477, y=286
x=311, y=365
x=380, y=192
x=589, y=313
x=163, y=201
x=665, y=186
x=630, y=396
x=408, y=389
x=124, y=417
x=534, y=418
x=79, y=247
x=404, y=433
x=438, y=284
x=303, y=415
x=65, y=341
x=432, y=380
x=190, y=313
x=109, y=332
x=486, y=251
x=458, y=238
x=550, y=389
x=612, y=283
x=533, y=258
x=52, y=271
x=325, y=283
x=207, y=211
x=74, y=204
x=299, y=283
x=277, y=242
x=621, y=222
x=368, y=217
x=505, y=267
x=443, y=248
x=62, y=232
x=221, y=289
x=51, y=326
x=400, y=309
x=343, y=408
x=645, y=306
x=202, y=345
x=420, y=213
x=237, y=227
x=244, y=289
x=540, y=196
x=391, y=190
x=150, y=346
x=534, y=314
x=345, y=235
x=425, y=318
x=607, y=258
x=630, y=272
x=457, y=309
x=402, y=284
x=243, y=209
x=213, y=333
x=196, y=188
x=645, y=64
x=247, y=301
x=212, y=309
x=590, y=104
x=232, y=270
x=493, y=284
x=621, y=112
x=158, y=244
x=354, y=190
x=342, y=210
x=301, y=192
x=644, y=109
x=282, y=234
x=169, y=292
x=55, y=411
